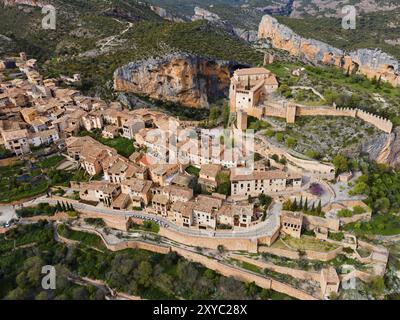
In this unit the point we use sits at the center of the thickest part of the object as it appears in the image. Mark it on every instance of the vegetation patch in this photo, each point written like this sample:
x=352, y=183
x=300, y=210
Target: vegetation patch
x=42, y=209
x=122, y=145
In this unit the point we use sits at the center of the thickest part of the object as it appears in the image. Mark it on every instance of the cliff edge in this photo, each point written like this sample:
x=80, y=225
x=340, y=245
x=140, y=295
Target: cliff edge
x=180, y=78
x=369, y=62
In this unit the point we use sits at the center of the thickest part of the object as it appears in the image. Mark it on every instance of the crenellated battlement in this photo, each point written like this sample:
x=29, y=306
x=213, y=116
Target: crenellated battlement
x=291, y=111
x=378, y=121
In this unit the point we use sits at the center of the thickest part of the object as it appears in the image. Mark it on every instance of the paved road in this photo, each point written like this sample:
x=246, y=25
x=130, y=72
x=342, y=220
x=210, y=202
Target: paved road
x=262, y=229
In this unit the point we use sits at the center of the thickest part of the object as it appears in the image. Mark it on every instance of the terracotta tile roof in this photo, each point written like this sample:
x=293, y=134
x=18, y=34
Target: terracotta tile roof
x=184, y=208
x=265, y=175
x=210, y=170
x=102, y=186
x=175, y=191
x=251, y=71
x=159, y=198
x=138, y=185
x=14, y=135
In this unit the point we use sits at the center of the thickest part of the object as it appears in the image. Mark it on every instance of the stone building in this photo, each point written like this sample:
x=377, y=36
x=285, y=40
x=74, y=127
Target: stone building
x=236, y=215
x=160, y=204
x=16, y=141
x=329, y=281
x=139, y=191
x=291, y=223
x=100, y=192
x=264, y=182
x=183, y=213
x=250, y=87
x=131, y=127
x=208, y=176
x=45, y=137
x=205, y=212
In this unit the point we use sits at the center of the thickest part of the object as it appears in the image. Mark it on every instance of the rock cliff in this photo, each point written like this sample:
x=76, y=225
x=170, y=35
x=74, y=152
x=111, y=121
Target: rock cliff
x=32, y=3
x=180, y=78
x=370, y=62
x=203, y=14
x=163, y=13
x=390, y=152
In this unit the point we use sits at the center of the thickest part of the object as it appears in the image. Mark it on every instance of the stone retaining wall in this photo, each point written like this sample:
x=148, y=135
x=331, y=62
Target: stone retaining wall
x=245, y=276
x=295, y=273
x=249, y=245
x=311, y=255
x=225, y=270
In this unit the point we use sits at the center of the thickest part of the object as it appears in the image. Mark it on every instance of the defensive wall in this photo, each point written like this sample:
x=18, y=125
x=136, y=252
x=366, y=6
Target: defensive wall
x=119, y=222
x=296, y=273
x=314, y=168
x=291, y=111
x=350, y=204
x=295, y=255
x=222, y=268
x=241, y=244
x=312, y=222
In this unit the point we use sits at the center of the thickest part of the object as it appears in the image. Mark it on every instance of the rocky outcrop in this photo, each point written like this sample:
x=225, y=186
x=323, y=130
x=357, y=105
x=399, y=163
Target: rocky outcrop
x=246, y=35
x=31, y=3
x=163, y=13
x=6, y=44
x=370, y=62
x=384, y=148
x=279, y=10
x=393, y=158
x=390, y=152
x=180, y=78
x=203, y=14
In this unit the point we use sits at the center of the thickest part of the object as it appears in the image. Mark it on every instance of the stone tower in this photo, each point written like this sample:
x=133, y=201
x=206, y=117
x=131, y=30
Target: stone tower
x=291, y=113
x=268, y=58
x=241, y=120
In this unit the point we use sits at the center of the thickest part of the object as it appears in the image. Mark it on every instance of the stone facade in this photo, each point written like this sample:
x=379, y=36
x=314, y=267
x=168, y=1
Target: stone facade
x=267, y=182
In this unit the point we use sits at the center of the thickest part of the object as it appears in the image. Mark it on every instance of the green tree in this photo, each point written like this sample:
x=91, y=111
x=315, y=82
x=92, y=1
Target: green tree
x=279, y=136
x=226, y=114
x=144, y=274
x=287, y=205
x=291, y=142
x=341, y=163
x=214, y=114
x=319, y=207
x=265, y=200
x=294, y=206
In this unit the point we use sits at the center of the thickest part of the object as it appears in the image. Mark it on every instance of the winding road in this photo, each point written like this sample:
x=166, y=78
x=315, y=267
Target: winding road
x=265, y=228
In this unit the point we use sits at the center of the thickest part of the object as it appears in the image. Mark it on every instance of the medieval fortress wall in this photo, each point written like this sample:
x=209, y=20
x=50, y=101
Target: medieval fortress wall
x=379, y=122
x=291, y=111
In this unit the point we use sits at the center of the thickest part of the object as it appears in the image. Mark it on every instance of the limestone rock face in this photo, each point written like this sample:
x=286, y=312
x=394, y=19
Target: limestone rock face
x=32, y=3
x=6, y=44
x=180, y=78
x=372, y=63
x=384, y=148
x=246, y=35
x=163, y=13
x=390, y=153
x=394, y=155
x=203, y=14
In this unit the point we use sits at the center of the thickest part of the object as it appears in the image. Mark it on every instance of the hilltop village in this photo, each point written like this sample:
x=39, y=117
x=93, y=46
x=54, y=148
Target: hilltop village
x=282, y=205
